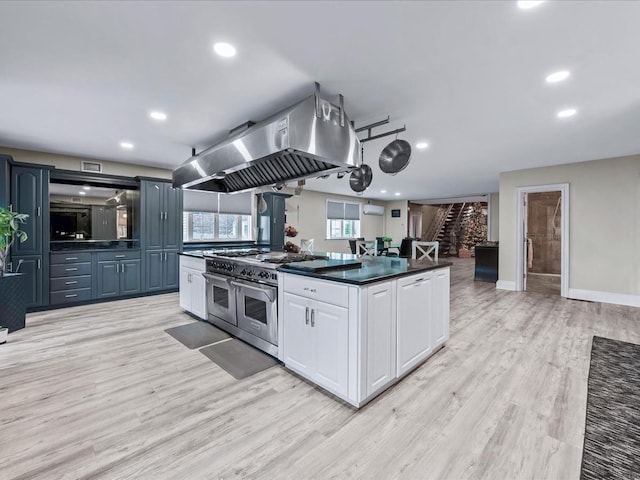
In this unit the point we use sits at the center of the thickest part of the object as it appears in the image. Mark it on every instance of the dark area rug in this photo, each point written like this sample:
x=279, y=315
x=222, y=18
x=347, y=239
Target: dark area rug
x=612, y=430
x=197, y=334
x=238, y=358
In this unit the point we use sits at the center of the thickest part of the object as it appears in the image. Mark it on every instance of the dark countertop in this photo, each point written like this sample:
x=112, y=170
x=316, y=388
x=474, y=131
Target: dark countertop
x=374, y=269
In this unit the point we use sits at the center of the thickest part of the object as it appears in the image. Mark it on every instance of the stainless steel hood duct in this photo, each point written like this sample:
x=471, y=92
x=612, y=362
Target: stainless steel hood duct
x=311, y=138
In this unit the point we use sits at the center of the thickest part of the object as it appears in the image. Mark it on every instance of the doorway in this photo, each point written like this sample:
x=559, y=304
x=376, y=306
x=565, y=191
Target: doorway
x=543, y=247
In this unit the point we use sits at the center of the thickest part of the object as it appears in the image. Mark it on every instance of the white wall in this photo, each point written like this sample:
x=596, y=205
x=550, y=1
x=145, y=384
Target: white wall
x=396, y=228
x=67, y=162
x=604, y=225
x=308, y=213
x=494, y=217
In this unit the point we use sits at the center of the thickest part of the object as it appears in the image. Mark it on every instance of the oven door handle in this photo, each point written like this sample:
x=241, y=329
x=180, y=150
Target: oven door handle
x=268, y=292
x=216, y=277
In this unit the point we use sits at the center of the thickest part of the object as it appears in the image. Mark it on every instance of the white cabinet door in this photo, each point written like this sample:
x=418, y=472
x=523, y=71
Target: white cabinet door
x=299, y=341
x=414, y=320
x=198, y=294
x=440, y=311
x=381, y=337
x=185, y=289
x=330, y=326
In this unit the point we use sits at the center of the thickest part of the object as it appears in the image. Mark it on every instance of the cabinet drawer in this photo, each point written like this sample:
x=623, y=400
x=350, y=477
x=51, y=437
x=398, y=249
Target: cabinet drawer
x=71, y=270
x=122, y=255
x=329, y=292
x=70, y=283
x=62, y=258
x=404, y=281
x=195, y=263
x=70, y=296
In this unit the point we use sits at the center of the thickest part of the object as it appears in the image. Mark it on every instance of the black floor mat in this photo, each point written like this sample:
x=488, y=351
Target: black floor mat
x=238, y=358
x=197, y=334
x=612, y=430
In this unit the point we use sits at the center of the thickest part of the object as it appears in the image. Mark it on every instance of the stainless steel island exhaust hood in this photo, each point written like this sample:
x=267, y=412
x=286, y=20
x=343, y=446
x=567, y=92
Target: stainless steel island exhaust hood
x=311, y=138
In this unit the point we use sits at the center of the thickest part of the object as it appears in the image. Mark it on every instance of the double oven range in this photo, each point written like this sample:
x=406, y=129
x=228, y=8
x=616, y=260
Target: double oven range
x=242, y=294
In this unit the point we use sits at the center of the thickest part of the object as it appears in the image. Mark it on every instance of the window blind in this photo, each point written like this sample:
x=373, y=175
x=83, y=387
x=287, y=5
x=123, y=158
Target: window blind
x=199, y=201
x=342, y=210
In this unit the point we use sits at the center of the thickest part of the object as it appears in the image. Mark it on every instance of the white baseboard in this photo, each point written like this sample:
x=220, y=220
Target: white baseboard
x=605, y=297
x=506, y=285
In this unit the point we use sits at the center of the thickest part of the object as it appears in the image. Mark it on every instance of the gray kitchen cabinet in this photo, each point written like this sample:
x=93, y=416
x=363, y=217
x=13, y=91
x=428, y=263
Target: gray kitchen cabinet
x=271, y=222
x=161, y=237
x=32, y=268
x=29, y=189
x=103, y=222
x=117, y=278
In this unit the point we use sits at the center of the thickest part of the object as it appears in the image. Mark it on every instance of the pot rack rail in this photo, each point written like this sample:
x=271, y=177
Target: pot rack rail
x=371, y=126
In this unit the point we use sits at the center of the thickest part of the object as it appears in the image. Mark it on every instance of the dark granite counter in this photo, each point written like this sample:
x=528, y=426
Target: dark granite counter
x=373, y=269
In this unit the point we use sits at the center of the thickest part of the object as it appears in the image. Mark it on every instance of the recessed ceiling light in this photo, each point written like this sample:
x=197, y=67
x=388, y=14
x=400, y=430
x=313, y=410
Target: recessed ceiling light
x=527, y=4
x=127, y=145
x=87, y=188
x=383, y=191
x=82, y=193
x=158, y=115
x=422, y=145
x=567, y=112
x=559, y=76
x=397, y=194
x=224, y=49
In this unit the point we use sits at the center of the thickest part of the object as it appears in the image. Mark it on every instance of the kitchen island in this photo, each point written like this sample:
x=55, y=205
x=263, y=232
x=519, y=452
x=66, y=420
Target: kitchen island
x=357, y=331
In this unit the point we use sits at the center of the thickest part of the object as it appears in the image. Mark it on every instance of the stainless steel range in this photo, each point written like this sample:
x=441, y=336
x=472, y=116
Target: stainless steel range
x=242, y=294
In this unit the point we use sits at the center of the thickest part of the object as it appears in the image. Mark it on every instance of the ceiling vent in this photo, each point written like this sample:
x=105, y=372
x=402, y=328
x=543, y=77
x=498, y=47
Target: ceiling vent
x=94, y=167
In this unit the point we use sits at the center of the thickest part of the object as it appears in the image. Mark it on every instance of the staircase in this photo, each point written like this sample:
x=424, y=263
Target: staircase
x=447, y=227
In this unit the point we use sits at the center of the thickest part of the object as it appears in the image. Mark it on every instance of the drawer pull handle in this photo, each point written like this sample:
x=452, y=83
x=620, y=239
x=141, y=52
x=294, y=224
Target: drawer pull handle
x=71, y=296
x=307, y=289
x=120, y=256
x=313, y=323
x=71, y=258
x=71, y=269
x=70, y=283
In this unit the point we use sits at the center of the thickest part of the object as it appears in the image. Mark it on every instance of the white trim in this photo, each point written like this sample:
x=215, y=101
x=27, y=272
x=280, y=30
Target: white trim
x=564, y=269
x=605, y=297
x=506, y=285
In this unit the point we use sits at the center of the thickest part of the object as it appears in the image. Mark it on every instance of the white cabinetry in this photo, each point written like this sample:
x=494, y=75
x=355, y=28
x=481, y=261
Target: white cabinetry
x=193, y=293
x=414, y=318
x=381, y=336
x=316, y=339
x=356, y=341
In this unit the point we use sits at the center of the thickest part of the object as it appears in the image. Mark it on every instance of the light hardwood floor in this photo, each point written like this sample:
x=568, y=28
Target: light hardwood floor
x=102, y=392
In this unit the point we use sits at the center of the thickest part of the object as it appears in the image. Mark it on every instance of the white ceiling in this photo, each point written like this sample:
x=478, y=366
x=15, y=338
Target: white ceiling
x=80, y=77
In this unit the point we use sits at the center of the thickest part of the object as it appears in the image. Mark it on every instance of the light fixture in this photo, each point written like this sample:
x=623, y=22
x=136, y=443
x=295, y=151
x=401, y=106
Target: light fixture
x=383, y=191
x=527, y=4
x=86, y=188
x=82, y=193
x=422, y=145
x=397, y=194
x=158, y=116
x=127, y=145
x=558, y=76
x=567, y=112
x=224, y=49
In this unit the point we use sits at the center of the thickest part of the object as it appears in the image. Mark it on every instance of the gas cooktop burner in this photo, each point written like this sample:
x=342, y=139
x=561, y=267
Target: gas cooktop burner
x=239, y=253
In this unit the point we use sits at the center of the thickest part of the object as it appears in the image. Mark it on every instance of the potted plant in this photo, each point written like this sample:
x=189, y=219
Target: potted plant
x=12, y=285
x=10, y=229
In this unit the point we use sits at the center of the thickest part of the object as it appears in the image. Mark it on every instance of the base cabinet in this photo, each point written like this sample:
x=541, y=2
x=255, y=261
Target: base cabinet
x=31, y=268
x=117, y=278
x=162, y=270
x=414, y=317
x=318, y=335
x=193, y=288
x=357, y=341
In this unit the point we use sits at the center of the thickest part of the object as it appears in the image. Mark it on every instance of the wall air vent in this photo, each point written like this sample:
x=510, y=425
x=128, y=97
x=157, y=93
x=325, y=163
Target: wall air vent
x=94, y=167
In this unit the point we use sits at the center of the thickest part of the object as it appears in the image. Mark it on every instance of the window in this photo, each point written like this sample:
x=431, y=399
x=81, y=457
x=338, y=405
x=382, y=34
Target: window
x=343, y=220
x=215, y=217
x=208, y=227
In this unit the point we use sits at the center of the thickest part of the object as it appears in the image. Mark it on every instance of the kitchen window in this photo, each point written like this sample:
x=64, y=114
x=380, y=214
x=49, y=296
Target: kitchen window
x=343, y=220
x=213, y=217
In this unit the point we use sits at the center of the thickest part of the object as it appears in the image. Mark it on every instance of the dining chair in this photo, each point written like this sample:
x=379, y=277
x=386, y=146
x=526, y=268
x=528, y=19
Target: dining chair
x=352, y=244
x=426, y=249
x=306, y=245
x=366, y=248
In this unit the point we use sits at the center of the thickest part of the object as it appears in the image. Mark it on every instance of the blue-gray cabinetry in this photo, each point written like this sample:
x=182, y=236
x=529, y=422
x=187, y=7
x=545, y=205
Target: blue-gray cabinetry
x=271, y=221
x=161, y=235
x=118, y=273
x=30, y=195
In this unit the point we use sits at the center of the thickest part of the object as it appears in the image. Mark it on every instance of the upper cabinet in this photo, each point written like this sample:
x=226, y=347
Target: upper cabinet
x=26, y=197
x=162, y=215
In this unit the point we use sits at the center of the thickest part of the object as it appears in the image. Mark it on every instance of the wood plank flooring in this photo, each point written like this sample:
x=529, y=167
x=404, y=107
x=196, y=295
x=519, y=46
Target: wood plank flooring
x=102, y=392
